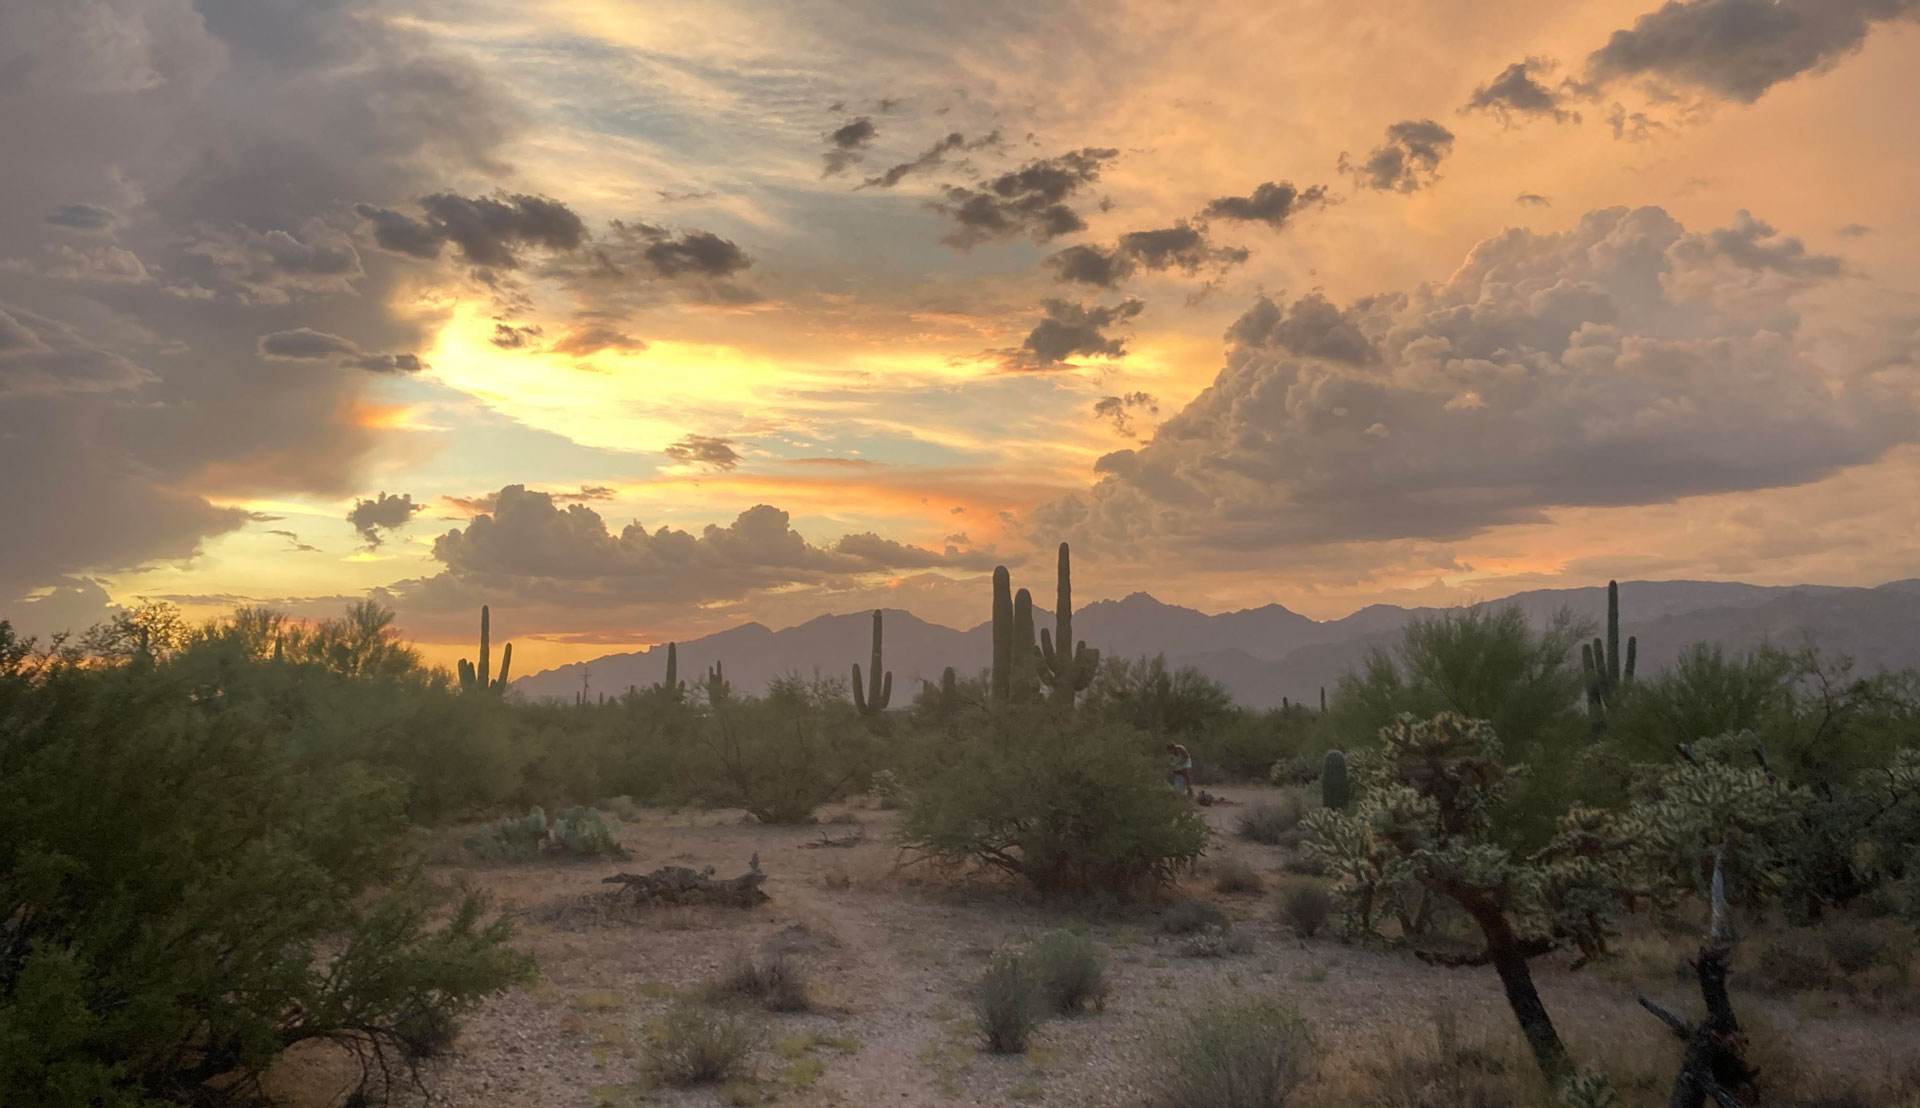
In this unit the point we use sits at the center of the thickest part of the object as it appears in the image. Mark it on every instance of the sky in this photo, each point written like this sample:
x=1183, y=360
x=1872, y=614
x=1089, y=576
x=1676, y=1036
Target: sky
x=635, y=321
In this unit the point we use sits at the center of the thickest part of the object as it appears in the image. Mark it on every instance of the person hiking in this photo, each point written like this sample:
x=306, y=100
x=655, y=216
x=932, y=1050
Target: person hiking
x=1182, y=775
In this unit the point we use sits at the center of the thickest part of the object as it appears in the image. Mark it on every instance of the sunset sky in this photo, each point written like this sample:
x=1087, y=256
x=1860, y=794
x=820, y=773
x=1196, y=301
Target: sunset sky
x=637, y=320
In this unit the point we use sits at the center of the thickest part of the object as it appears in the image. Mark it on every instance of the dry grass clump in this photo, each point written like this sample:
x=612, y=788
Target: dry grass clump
x=1009, y=1003
x=1234, y=876
x=1250, y=1055
x=699, y=1046
x=775, y=983
x=1271, y=824
x=1072, y=971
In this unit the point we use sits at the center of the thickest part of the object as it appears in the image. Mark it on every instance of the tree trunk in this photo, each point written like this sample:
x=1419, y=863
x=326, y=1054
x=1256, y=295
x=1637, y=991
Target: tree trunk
x=1509, y=957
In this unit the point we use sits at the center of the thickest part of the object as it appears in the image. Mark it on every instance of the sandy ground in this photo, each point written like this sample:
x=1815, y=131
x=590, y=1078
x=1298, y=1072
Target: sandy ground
x=892, y=952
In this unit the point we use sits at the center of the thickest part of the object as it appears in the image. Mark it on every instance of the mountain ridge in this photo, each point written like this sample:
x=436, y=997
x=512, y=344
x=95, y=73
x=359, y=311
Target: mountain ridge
x=1266, y=653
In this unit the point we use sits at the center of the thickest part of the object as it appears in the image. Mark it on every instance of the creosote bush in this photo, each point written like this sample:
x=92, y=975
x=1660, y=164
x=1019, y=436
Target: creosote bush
x=693, y=1045
x=1072, y=970
x=1235, y=877
x=1009, y=1002
x=775, y=983
x=1270, y=824
x=1305, y=907
x=1249, y=1055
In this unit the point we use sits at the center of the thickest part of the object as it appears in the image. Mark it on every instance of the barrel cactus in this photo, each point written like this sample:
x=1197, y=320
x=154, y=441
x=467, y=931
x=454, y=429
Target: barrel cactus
x=1334, y=791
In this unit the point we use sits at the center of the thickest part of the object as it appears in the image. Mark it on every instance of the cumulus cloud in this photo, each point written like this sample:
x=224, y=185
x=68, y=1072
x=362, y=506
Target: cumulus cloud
x=532, y=550
x=706, y=450
x=506, y=336
x=1519, y=93
x=1075, y=330
x=277, y=266
x=1272, y=203
x=591, y=338
x=933, y=156
x=1027, y=201
x=381, y=514
x=41, y=356
x=477, y=505
x=1408, y=161
x=487, y=230
x=1624, y=362
x=644, y=250
x=103, y=264
x=847, y=145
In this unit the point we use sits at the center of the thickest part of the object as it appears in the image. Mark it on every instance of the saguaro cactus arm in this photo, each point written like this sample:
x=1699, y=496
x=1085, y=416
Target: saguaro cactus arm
x=873, y=700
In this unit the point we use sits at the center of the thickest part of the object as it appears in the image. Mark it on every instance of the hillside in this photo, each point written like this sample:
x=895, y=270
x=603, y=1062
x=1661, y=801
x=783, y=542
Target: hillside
x=1262, y=654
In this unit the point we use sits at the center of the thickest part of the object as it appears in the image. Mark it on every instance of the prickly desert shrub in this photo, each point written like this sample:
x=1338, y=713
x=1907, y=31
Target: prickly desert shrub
x=774, y=983
x=1305, y=907
x=1009, y=1003
x=1250, y=1055
x=1234, y=876
x=1303, y=770
x=1184, y=917
x=1269, y=824
x=582, y=832
x=1072, y=970
x=889, y=790
x=699, y=1046
x=510, y=838
x=1334, y=789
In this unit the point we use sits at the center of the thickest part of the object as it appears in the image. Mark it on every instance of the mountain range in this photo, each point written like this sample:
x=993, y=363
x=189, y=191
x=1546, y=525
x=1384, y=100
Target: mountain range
x=1264, y=654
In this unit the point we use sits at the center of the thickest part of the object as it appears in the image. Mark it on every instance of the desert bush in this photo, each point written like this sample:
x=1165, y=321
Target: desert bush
x=1794, y=965
x=1144, y=694
x=1223, y=943
x=1184, y=917
x=1072, y=971
x=699, y=1046
x=1249, y=1055
x=575, y=832
x=1070, y=805
x=1305, y=907
x=1235, y=877
x=782, y=757
x=1302, y=769
x=184, y=893
x=1009, y=1002
x=1854, y=946
x=1448, y=1072
x=1269, y=824
x=775, y=983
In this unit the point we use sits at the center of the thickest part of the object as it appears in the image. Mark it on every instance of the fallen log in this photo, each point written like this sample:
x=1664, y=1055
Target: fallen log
x=680, y=885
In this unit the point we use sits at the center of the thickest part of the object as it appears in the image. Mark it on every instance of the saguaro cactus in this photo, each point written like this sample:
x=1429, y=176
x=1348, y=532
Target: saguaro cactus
x=1026, y=653
x=1334, y=789
x=672, y=682
x=1067, y=667
x=1002, y=678
x=1607, y=672
x=717, y=686
x=475, y=678
x=874, y=700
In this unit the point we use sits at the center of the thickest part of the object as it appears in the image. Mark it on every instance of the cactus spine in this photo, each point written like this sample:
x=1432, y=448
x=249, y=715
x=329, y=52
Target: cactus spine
x=1607, y=672
x=874, y=700
x=1067, y=668
x=475, y=678
x=1334, y=790
x=1002, y=679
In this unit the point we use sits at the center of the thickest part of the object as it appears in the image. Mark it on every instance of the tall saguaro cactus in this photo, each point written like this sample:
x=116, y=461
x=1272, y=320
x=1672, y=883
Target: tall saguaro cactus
x=671, y=683
x=1026, y=654
x=1065, y=666
x=1002, y=679
x=874, y=700
x=1607, y=671
x=717, y=686
x=476, y=678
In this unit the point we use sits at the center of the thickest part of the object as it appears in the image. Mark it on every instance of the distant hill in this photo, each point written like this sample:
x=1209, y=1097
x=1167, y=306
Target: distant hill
x=1263, y=654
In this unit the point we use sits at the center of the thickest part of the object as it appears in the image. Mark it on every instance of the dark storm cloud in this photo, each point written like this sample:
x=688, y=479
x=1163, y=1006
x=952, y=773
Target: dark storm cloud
x=382, y=514
x=655, y=251
x=304, y=342
x=1090, y=265
x=508, y=337
x=846, y=145
x=1119, y=410
x=1624, y=362
x=1271, y=203
x=1408, y=161
x=226, y=137
x=1028, y=201
x=82, y=217
x=1518, y=92
x=933, y=156
x=1183, y=246
x=1075, y=330
x=1738, y=49
x=486, y=229
x=706, y=450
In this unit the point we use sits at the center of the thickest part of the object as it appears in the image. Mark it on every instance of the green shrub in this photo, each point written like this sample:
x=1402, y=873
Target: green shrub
x=699, y=1046
x=1070, y=806
x=510, y=838
x=1072, y=971
x=1301, y=770
x=583, y=832
x=1009, y=1002
x=184, y=892
x=1248, y=1055
x=783, y=755
x=1270, y=824
x=1305, y=907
